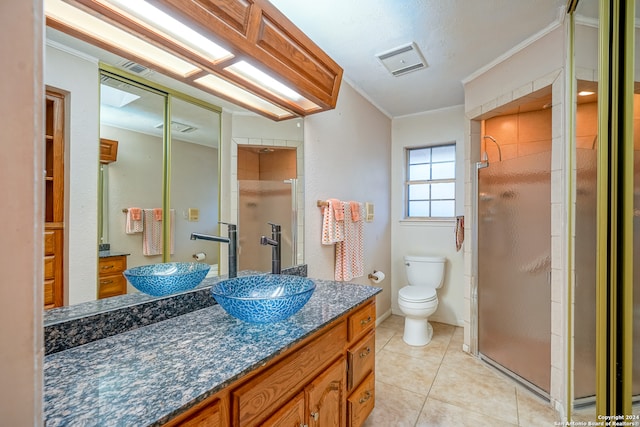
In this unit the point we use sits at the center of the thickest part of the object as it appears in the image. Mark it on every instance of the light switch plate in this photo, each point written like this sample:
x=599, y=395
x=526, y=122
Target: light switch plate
x=194, y=214
x=368, y=209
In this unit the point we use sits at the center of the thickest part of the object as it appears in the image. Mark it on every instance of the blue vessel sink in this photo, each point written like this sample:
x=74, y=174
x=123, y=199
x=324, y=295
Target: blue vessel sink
x=166, y=278
x=265, y=298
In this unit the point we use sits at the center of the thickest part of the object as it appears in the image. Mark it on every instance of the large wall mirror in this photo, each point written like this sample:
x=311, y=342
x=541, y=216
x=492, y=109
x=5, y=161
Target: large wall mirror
x=110, y=100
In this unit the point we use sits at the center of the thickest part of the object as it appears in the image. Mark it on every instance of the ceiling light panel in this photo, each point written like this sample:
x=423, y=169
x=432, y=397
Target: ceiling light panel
x=251, y=74
x=228, y=90
x=101, y=30
x=154, y=20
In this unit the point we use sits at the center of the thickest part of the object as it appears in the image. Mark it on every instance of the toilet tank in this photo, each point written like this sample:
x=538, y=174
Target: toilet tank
x=425, y=270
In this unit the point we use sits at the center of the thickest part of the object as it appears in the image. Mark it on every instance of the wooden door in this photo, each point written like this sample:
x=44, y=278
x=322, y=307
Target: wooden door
x=325, y=397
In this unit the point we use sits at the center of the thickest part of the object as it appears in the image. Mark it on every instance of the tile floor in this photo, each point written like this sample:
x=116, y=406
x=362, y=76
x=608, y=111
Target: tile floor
x=440, y=385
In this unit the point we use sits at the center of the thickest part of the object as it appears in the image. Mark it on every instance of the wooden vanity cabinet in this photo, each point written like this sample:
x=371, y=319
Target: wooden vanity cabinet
x=327, y=380
x=111, y=282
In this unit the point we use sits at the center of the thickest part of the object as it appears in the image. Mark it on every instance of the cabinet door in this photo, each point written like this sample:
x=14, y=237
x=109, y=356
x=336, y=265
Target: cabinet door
x=290, y=415
x=325, y=397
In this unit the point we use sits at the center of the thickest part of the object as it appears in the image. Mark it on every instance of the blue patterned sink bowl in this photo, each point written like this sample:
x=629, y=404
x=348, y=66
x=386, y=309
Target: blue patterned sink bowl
x=265, y=298
x=166, y=278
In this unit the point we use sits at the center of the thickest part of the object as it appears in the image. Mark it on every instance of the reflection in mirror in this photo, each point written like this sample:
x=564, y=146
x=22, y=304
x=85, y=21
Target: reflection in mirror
x=195, y=136
x=72, y=67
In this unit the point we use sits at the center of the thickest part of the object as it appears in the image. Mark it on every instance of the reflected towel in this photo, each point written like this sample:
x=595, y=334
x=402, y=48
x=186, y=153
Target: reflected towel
x=338, y=209
x=157, y=214
x=152, y=232
x=133, y=224
x=332, y=229
x=350, y=251
x=459, y=231
x=355, y=211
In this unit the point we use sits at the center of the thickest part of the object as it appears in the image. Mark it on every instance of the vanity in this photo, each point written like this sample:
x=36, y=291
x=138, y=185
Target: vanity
x=207, y=368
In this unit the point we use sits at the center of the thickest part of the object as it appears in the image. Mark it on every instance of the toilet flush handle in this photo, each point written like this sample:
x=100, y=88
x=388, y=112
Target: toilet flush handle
x=407, y=264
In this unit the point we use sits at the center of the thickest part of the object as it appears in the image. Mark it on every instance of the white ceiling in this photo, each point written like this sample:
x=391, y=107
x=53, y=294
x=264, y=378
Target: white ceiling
x=456, y=37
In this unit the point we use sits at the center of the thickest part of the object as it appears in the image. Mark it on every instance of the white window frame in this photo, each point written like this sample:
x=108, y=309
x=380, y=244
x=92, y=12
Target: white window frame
x=408, y=183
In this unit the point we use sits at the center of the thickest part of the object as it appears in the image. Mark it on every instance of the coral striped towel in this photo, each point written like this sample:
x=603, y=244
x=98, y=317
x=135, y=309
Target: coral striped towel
x=133, y=223
x=350, y=252
x=152, y=232
x=332, y=228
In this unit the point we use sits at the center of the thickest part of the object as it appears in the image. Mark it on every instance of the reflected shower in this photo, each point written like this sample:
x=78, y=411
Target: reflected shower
x=485, y=156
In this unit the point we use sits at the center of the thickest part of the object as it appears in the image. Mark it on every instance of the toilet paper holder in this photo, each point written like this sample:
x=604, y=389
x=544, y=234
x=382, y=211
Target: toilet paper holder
x=377, y=276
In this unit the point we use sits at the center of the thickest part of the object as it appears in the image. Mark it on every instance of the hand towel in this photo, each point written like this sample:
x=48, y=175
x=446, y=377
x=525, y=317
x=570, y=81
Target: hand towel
x=338, y=209
x=332, y=229
x=157, y=214
x=355, y=211
x=350, y=251
x=136, y=214
x=133, y=225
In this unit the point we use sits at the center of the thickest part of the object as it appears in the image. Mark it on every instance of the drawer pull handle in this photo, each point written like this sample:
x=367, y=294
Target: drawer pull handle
x=315, y=416
x=367, y=396
x=365, y=321
x=106, y=282
x=366, y=352
x=107, y=267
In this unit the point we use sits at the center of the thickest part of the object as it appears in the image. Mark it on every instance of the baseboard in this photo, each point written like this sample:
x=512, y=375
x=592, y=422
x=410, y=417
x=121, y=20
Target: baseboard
x=383, y=317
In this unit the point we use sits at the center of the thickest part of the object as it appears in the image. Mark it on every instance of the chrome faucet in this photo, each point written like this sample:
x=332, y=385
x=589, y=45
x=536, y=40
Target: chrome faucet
x=275, y=244
x=232, y=240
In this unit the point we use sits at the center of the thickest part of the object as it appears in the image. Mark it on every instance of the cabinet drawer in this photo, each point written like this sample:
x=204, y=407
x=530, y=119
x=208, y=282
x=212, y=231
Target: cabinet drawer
x=48, y=293
x=109, y=286
x=361, y=402
x=261, y=395
x=111, y=265
x=49, y=242
x=361, y=359
x=49, y=267
x=362, y=321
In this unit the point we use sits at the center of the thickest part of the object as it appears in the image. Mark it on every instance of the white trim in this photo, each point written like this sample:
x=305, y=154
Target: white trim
x=363, y=94
x=384, y=316
x=442, y=109
x=71, y=51
x=521, y=46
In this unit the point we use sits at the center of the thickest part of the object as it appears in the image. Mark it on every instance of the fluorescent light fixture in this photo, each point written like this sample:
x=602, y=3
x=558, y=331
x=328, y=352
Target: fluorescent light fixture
x=101, y=30
x=585, y=93
x=154, y=19
x=251, y=74
x=227, y=89
x=115, y=97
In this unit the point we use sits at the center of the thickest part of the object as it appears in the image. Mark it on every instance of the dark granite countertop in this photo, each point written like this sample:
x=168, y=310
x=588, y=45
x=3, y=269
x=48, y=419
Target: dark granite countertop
x=110, y=253
x=146, y=376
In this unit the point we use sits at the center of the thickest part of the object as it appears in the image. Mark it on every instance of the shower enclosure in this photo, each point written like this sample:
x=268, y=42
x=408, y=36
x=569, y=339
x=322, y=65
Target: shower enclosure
x=260, y=203
x=514, y=267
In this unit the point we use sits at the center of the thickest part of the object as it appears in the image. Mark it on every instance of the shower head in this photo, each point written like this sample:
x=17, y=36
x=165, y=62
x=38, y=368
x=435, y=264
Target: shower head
x=497, y=145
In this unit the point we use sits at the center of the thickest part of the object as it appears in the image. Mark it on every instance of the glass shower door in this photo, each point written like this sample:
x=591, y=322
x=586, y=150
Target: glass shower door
x=514, y=264
x=260, y=203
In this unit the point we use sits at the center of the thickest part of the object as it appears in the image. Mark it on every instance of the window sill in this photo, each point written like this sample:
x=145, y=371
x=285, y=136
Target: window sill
x=428, y=221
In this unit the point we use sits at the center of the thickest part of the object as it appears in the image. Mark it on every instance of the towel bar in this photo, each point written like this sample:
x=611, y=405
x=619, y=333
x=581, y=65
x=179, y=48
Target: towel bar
x=322, y=203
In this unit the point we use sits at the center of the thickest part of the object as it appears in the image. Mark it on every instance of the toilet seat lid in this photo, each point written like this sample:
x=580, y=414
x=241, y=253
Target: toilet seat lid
x=417, y=293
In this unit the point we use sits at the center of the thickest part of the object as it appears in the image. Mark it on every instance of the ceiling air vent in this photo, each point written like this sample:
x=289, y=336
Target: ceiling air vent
x=403, y=60
x=178, y=127
x=134, y=67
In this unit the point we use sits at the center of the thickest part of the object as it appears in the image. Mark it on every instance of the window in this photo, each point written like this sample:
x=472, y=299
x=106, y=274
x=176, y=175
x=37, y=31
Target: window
x=430, y=186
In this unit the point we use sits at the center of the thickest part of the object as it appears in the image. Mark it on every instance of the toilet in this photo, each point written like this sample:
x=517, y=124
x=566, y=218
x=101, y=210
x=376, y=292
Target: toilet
x=419, y=300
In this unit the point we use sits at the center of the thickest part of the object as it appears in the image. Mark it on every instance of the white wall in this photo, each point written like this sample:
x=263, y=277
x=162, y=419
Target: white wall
x=428, y=237
x=78, y=75
x=347, y=156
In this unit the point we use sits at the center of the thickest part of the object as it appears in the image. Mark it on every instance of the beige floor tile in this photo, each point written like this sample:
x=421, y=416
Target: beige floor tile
x=395, y=407
x=485, y=394
x=457, y=338
x=441, y=414
x=394, y=322
x=533, y=411
x=406, y=372
x=471, y=365
x=434, y=351
x=383, y=335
